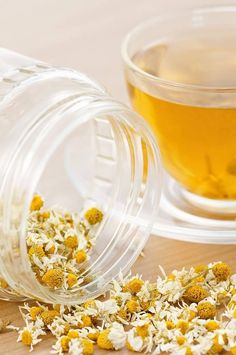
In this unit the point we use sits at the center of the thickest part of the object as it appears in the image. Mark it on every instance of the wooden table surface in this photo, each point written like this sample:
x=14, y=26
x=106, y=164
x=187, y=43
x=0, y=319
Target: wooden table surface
x=86, y=35
x=159, y=251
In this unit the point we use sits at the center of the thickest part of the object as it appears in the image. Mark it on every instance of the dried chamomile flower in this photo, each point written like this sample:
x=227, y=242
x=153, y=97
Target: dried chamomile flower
x=65, y=340
x=48, y=316
x=206, y=310
x=93, y=215
x=87, y=346
x=35, y=312
x=85, y=321
x=71, y=242
x=80, y=256
x=36, y=203
x=212, y=325
x=30, y=335
x=53, y=278
x=221, y=271
x=195, y=294
x=176, y=315
x=201, y=268
x=71, y=279
x=36, y=250
x=26, y=337
x=142, y=330
x=134, y=285
x=103, y=340
x=73, y=334
x=132, y=306
x=183, y=326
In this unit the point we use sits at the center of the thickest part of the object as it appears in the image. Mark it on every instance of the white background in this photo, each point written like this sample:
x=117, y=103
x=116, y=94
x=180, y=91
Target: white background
x=82, y=34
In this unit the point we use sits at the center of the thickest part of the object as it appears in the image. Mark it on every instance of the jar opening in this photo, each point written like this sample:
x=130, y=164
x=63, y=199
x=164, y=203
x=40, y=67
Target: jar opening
x=86, y=155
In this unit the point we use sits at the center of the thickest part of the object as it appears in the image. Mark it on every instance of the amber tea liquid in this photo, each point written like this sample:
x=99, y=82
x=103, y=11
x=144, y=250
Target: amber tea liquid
x=196, y=132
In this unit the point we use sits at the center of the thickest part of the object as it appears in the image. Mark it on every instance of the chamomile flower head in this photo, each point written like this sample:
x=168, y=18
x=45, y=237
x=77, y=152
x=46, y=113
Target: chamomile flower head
x=103, y=340
x=221, y=271
x=93, y=215
x=195, y=294
x=30, y=335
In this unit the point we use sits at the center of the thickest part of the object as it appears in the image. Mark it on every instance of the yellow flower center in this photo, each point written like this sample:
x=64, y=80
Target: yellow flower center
x=87, y=346
x=200, y=268
x=142, y=330
x=171, y=277
x=26, y=337
x=221, y=271
x=71, y=242
x=195, y=294
x=132, y=306
x=206, y=310
x=73, y=334
x=134, y=285
x=180, y=339
x=80, y=256
x=93, y=216
x=53, y=278
x=103, y=341
x=170, y=324
x=199, y=279
x=48, y=316
x=36, y=250
x=36, y=203
x=192, y=315
x=85, y=322
x=65, y=340
x=183, y=325
x=122, y=313
x=45, y=214
x=35, y=311
x=71, y=279
x=212, y=325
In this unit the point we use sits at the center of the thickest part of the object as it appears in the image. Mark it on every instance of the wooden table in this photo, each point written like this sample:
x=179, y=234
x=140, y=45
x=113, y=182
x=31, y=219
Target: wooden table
x=159, y=251
x=86, y=35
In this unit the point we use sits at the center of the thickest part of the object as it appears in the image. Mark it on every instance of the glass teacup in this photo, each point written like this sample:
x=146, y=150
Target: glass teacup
x=181, y=76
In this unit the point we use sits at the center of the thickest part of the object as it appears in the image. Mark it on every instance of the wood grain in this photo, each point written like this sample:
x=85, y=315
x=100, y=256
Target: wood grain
x=159, y=251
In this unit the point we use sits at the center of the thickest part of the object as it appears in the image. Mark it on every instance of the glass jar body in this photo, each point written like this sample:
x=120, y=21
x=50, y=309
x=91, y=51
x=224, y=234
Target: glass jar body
x=62, y=135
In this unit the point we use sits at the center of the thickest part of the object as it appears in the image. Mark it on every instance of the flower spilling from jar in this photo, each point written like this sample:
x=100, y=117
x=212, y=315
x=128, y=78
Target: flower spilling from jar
x=187, y=312
x=59, y=244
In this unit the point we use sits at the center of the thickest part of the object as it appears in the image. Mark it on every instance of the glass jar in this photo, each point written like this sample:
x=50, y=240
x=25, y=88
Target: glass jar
x=63, y=135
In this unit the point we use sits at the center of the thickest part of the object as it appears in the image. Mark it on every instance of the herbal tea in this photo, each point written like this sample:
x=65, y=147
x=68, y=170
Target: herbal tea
x=196, y=133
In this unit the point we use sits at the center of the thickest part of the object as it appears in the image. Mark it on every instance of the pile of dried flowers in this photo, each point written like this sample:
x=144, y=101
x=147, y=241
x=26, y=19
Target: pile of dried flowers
x=187, y=312
x=59, y=242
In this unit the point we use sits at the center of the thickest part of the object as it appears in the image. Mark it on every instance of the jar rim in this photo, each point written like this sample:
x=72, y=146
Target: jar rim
x=110, y=107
